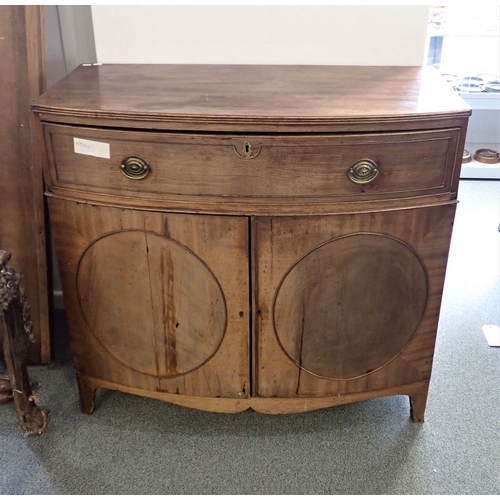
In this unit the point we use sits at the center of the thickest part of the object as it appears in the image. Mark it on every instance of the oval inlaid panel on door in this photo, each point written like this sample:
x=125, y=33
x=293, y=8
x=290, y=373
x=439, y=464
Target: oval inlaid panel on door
x=151, y=302
x=350, y=305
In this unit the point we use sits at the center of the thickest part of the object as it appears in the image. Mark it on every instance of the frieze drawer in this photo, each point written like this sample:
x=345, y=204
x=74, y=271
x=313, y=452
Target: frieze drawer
x=342, y=166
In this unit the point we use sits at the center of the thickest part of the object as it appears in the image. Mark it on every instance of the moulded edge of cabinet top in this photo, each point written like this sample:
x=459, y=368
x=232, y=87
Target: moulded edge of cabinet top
x=211, y=97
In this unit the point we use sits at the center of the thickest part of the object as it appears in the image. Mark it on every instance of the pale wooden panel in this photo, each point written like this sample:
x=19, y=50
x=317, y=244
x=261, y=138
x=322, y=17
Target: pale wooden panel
x=152, y=303
x=222, y=244
x=336, y=308
x=281, y=242
x=189, y=308
x=113, y=289
x=215, y=335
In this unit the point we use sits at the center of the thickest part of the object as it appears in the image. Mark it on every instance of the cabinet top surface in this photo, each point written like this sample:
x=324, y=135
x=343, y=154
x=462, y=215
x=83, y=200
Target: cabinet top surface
x=252, y=93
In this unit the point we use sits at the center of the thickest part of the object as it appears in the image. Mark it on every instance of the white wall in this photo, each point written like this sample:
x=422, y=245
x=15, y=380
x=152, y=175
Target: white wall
x=364, y=35
x=69, y=39
x=54, y=50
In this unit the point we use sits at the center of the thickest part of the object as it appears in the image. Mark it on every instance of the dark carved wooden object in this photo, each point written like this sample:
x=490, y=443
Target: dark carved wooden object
x=18, y=337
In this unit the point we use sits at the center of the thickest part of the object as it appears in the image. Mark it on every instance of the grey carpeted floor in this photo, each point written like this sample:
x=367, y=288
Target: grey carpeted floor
x=139, y=446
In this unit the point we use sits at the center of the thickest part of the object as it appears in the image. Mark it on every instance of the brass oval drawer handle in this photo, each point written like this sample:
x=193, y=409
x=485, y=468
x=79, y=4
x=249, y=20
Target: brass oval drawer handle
x=135, y=168
x=363, y=171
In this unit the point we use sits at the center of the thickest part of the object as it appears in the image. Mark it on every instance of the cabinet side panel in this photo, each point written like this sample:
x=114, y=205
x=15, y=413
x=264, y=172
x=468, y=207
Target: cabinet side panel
x=425, y=232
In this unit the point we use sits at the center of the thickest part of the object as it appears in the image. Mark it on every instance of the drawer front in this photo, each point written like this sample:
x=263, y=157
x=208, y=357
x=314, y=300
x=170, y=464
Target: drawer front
x=251, y=167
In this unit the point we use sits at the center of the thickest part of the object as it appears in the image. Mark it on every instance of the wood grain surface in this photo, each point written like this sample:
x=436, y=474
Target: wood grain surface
x=198, y=166
x=246, y=270
x=330, y=342
x=271, y=406
x=351, y=305
x=22, y=227
x=156, y=301
x=253, y=97
x=151, y=302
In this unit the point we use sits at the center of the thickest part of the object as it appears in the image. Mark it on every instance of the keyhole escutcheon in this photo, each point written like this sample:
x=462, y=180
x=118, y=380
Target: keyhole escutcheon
x=248, y=152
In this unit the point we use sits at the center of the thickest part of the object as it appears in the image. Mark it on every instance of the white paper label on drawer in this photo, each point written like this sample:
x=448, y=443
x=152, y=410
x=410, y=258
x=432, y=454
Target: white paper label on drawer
x=92, y=148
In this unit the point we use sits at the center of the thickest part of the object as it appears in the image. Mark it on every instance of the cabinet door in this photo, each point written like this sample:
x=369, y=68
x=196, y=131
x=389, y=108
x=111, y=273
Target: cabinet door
x=156, y=301
x=348, y=303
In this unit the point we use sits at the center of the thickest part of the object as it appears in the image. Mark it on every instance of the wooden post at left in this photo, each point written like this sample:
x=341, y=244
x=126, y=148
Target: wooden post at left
x=22, y=211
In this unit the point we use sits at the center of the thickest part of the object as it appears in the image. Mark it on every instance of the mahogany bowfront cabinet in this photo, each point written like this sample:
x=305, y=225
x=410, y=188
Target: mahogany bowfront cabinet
x=266, y=237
